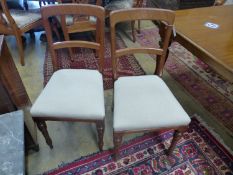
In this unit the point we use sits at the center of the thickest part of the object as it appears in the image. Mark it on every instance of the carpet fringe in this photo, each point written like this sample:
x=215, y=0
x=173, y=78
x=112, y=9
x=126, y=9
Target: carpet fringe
x=211, y=130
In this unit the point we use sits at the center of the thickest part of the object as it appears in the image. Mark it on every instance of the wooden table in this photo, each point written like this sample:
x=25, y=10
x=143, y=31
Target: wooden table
x=213, y=46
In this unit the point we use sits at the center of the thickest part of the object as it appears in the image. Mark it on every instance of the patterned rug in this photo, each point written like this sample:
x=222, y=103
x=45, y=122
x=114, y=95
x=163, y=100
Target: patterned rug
x=198, y=152
x=211, y=90
x=85, y=58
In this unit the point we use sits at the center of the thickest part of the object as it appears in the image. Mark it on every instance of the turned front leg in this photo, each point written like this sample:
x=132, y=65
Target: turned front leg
x=100, y=131
x=43, y=128
x=177, y=136
x=117, y=139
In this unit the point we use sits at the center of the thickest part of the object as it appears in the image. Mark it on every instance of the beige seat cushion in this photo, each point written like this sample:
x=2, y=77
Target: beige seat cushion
x=24, y=18
x=145, y=102
x=73, y=94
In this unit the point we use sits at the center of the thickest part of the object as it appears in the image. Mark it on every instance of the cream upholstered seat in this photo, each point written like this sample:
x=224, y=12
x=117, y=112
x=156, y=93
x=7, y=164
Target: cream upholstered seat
x=145, y=102
x=72, y=94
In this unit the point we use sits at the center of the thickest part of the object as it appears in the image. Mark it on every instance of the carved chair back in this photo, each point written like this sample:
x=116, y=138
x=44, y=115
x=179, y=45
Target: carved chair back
x=166, y=16
x=62, y=11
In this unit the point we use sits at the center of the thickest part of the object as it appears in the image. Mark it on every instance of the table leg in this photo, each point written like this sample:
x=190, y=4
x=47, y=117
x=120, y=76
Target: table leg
x=25, y=3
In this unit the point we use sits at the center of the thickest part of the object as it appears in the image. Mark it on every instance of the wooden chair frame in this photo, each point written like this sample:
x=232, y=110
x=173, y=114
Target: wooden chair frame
x=13, y=29
x=168, y=18
x=62, y=10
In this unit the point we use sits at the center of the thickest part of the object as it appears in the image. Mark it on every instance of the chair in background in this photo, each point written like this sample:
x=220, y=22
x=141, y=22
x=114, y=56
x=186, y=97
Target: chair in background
x=79, y=23
x=74, y=95
x=53, y=21
x=125, y=4
x=144, y=103
x=17, y=22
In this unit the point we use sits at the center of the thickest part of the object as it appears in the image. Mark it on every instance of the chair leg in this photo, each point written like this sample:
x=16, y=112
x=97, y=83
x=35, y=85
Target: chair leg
x=32, y=34
x=162, y=31
x=98, y=41
x=117, y=139
x=43, y=128
x=159, y=68
x=177, y=136
x=55, y=30
x=20, y=48
x=71, y=53
x=100, y=131
x=133, y=30
x=139, y=26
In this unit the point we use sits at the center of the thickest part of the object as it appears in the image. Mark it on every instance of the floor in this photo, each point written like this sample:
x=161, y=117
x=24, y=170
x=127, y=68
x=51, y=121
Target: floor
x=73, y=140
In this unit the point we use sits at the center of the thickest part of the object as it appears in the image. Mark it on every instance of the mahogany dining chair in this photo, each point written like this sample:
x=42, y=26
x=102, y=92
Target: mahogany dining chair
x=74, y=95
x=144, y=103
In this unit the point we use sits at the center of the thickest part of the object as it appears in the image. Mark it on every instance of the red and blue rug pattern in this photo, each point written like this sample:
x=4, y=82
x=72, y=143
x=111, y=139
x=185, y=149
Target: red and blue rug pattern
x=198, y=152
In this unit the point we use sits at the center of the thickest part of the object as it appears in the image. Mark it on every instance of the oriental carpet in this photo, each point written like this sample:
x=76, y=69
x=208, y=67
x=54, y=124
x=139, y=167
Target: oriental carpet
x=197, y=153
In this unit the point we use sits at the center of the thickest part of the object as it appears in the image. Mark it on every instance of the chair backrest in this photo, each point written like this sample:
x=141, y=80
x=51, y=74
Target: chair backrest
x=62, y=11
x=166, y=16
x=6, y=20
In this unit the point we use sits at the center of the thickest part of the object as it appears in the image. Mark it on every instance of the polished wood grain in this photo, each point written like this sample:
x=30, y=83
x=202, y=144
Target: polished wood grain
x=213, y=46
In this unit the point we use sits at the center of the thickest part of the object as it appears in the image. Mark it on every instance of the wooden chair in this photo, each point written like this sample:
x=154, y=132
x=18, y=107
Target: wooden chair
x=75, y=95
x=144, y=103
x=125, y=4
x=17, y=22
